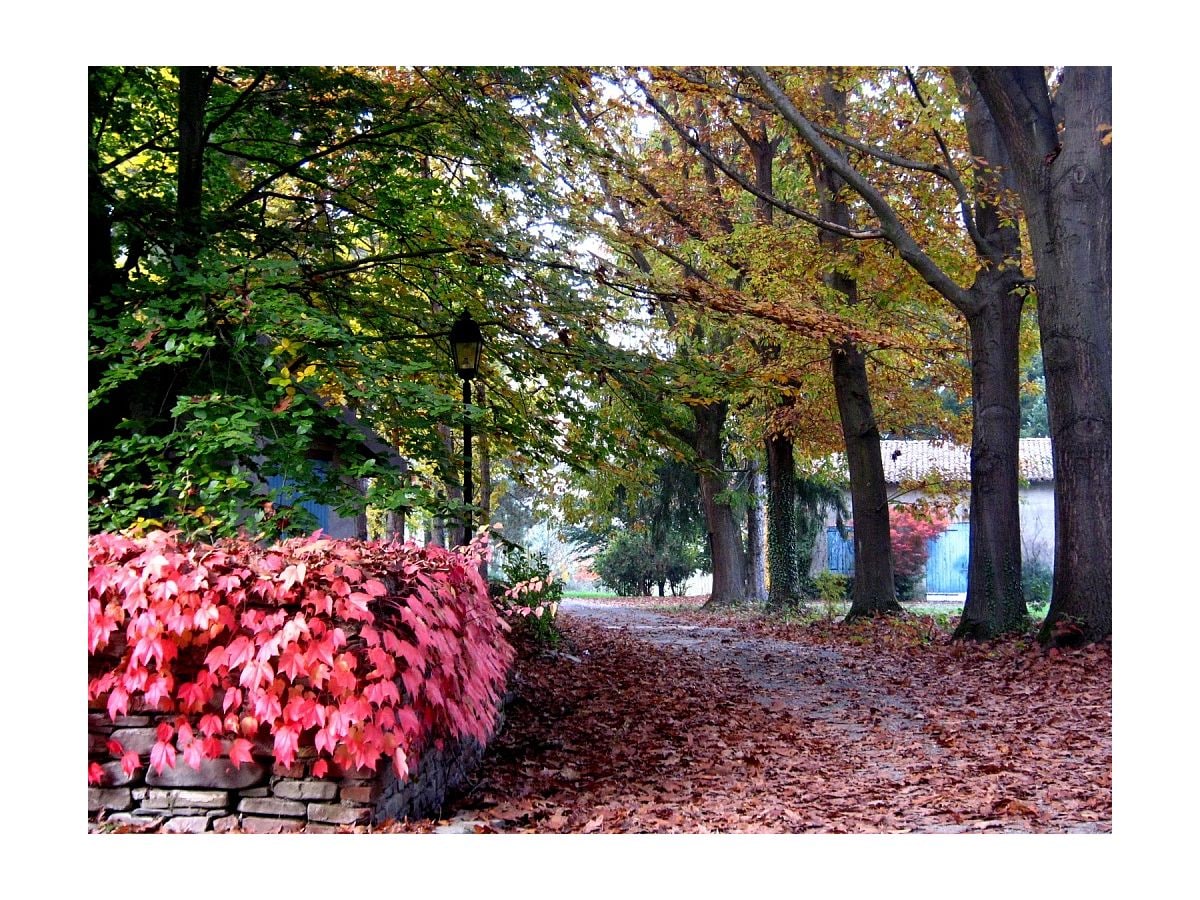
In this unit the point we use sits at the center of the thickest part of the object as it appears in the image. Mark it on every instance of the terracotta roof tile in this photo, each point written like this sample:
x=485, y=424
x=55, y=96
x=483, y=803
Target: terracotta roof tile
x=922, y=460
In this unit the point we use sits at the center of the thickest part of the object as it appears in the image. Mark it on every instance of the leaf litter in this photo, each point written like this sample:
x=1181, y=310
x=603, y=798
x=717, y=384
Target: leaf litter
x=702, y=722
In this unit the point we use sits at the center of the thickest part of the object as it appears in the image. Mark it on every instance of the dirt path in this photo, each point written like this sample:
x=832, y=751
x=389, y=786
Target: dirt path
x=814, y=683
x=641, y=724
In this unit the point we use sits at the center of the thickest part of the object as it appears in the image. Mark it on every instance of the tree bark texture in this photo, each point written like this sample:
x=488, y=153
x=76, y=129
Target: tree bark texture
x=485, y=472
x=450, y=533
x=724, y=534
x=396, y=524
x=784, y=589
x=102, y=271
x=756, y=564
x=874, y=583
x=995, y=604
x=1065, y=181
x=195, y=82
x=781, y=529
x=874, y=579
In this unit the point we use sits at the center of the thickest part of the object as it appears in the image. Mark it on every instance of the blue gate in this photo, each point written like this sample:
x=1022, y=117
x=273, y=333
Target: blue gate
x=946, y=571
x=841, y=551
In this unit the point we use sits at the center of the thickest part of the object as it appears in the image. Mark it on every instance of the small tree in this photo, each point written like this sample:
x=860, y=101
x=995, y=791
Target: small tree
x=911, y=534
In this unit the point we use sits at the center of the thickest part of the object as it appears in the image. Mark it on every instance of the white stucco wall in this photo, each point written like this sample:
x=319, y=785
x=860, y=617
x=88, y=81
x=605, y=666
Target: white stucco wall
x=1037, y=522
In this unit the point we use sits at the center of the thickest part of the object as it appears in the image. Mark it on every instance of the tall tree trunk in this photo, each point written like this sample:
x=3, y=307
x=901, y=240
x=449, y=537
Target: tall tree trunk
x=781, y=533
x=874, y=582
x=485, y=462
x=485, y=472
x=724, y=535
x=1065, y=180
x=195, y=82
x=395, y=525
x=784, y=589
x=102, y=271
x=995, y=604
x=451, y=532
x=155, y=391
x=756, y=564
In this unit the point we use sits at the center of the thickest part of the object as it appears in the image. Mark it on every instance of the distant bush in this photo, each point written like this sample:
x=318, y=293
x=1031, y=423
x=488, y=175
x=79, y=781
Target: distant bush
x=632, y=564
x=832, y=587
x=910, y=548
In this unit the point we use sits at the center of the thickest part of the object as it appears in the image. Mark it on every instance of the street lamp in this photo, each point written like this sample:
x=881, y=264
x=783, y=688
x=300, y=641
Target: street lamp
x=466, y=343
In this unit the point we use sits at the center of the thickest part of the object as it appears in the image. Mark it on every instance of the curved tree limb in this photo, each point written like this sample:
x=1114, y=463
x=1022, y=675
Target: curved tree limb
x=746, y=184
x=893, y=228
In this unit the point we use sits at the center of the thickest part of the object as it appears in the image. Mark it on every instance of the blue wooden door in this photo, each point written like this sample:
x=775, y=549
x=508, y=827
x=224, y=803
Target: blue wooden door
x=282, y=488
x=946, y=571
x=841, y=551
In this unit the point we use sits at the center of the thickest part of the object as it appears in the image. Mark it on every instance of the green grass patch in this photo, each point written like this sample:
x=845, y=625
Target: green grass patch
x=936, y=609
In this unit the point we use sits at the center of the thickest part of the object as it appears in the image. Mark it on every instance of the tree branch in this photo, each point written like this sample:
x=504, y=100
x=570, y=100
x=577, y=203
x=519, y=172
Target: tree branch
x=893, y=228
x=362, y=137
x=746, y=184
x=237, y=104
x=982, y=245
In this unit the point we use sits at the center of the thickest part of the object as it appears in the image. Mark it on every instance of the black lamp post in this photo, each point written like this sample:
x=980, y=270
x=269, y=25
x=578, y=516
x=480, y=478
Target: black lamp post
x=466, y=342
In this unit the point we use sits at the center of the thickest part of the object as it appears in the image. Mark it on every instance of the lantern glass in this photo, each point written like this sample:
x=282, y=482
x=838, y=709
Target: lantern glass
x=466, y=341
x=466, y=357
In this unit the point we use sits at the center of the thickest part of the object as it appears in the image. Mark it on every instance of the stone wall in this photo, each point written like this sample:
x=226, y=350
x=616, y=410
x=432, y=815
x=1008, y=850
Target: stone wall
x=261, y=796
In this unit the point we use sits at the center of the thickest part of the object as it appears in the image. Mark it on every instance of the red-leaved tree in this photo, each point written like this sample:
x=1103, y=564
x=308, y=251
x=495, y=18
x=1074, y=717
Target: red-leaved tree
x=910, y=534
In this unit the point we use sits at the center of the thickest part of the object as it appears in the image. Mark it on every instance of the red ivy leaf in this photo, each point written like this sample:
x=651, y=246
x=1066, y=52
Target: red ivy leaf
x=162, y=756
x=130, y=763
x=118, y=703
x=239, y=752
x=287, y=739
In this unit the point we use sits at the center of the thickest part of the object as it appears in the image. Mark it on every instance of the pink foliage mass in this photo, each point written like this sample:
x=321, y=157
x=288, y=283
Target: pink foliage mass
x=358, y=649
x=910, y=533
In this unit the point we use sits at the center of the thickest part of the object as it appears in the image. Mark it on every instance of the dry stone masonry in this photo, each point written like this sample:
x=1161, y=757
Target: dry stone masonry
x=262, y=796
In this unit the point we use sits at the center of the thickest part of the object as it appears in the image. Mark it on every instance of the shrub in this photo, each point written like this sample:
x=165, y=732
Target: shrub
x=530, y=596
x=632, y=563
x=832, y=587
x=911, y=535
x=1037, y=580
x=358, y=649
